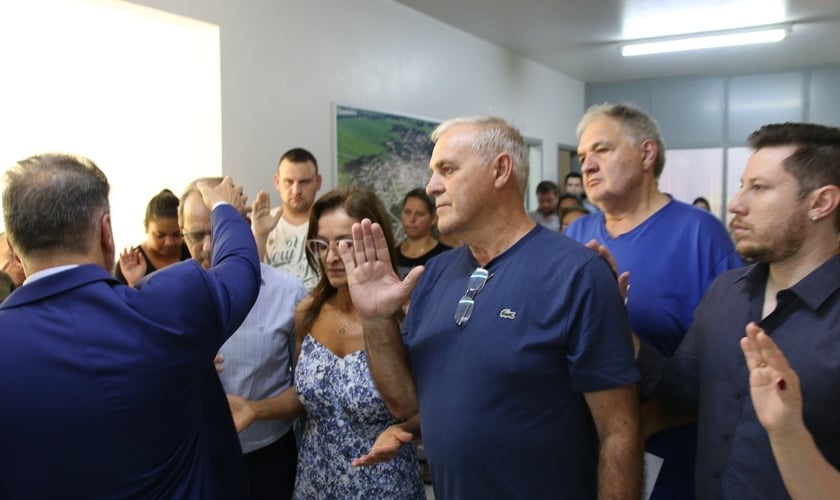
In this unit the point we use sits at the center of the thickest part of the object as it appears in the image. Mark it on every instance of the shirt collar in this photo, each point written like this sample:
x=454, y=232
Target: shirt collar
x=814, y=289
x=47, y=272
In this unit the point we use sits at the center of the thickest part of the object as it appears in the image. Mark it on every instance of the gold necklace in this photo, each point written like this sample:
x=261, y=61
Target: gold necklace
x=343, y=320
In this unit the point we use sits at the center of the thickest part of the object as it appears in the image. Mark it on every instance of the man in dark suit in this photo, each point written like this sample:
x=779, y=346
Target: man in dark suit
x=107, y=390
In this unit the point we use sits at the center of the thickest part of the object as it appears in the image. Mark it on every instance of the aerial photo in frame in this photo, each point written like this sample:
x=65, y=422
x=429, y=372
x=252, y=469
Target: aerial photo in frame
x=385, y=152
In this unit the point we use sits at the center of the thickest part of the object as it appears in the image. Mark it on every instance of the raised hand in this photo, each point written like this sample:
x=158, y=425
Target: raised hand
x=262, y=222
x=132, y=265
x=774, y=386
x=375, y=288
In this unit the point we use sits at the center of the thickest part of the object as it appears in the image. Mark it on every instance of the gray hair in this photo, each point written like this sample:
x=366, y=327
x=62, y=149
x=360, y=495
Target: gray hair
x=53, y=203
x=494, y=136
x=634, y=122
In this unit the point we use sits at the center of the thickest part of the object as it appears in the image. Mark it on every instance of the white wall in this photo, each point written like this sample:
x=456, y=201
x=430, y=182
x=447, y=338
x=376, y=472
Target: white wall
x=134, y=88
x=286, y=62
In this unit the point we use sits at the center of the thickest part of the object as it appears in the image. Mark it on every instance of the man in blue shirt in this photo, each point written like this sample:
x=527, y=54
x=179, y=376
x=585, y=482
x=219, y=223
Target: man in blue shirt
x=523, y=381
x=622, y=156
x=786, y=218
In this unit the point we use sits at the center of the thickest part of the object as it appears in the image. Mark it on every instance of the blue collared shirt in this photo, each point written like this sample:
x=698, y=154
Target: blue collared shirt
x=708, y=374
x=258, y=356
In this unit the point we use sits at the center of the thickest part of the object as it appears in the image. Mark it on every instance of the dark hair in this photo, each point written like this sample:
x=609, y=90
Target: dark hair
x=700, y=199
x=570, y=210
x=299, y=155
x=163, y=205
x=547, y=187
x=421, y=195
x=816, y=160
x=53, y=203
x=359, y=203
x=571, y=175
x=7, y=285
x=634, y=122
x=569, y=196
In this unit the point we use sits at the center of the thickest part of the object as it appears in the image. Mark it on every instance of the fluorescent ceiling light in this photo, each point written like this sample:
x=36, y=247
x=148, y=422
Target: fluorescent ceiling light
x=704, y=41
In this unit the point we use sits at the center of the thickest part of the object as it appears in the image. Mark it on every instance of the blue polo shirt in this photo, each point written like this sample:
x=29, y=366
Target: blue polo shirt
x=501, y=397
x=708, y=374
x=673, y=257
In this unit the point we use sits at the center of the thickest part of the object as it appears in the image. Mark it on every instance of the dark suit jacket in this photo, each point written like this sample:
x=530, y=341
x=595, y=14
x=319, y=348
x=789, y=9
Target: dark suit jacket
x=108, y=391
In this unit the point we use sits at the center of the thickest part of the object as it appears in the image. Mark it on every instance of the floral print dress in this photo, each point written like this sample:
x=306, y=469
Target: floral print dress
x=345, y=414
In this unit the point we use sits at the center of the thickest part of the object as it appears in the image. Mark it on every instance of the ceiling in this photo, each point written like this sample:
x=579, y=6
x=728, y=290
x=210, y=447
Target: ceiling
x=579, y=38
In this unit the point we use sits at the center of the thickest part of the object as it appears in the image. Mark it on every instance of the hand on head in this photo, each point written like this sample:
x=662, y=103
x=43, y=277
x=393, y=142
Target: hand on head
x=227, y=192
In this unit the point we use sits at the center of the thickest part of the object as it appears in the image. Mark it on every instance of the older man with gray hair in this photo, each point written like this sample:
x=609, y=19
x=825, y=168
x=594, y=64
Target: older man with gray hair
x=671, y=250
x=523, y=375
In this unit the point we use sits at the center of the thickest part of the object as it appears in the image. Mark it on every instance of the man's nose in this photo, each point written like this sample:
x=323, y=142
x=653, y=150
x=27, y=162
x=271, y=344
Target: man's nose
x=735, y=205
x=434, y=187
x=588, y=165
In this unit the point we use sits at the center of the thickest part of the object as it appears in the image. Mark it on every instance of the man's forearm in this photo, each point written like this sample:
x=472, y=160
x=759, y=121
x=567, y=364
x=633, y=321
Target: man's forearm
x=283, y=406
x=389, y=368
x=620, y=467
x=261, y=240
x=616, y=415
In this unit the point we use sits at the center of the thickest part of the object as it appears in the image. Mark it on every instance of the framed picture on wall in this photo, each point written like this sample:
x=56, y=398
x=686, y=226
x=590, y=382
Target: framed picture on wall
x=386, y=152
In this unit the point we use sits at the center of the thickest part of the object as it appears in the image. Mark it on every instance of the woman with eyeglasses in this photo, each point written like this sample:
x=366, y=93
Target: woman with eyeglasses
x=164, y=243
x=344, y=411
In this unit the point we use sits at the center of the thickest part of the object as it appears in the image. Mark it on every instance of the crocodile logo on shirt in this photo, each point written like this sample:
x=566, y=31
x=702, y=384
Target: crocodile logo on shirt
x=507, y=314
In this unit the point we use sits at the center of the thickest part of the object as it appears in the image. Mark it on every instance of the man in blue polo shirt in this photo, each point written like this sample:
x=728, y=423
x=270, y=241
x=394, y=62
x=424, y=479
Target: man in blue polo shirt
x=524, y=373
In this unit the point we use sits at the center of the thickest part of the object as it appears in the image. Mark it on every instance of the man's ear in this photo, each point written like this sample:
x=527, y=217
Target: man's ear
x=649, y=152
x=107, y=239
x=825, y=202
x=502, y=170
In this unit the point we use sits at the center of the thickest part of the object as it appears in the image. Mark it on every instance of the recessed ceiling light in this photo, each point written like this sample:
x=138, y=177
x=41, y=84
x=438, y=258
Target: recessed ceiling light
x=705, y=41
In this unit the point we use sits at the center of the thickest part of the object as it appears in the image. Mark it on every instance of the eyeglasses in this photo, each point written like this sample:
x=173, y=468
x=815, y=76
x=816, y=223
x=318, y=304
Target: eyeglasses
x=196, y=237
x=319, y=247
x=465, y=306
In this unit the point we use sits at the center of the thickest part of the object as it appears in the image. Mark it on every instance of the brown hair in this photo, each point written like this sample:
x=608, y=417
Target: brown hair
x=360, y=203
